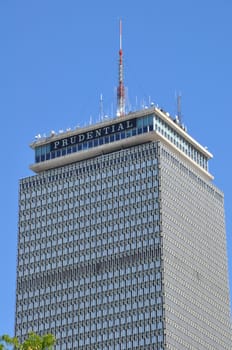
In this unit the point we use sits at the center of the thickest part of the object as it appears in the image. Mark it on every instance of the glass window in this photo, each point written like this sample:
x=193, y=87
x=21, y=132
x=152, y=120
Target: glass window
x=140, y=123
x=145, y=129
x=38, y=152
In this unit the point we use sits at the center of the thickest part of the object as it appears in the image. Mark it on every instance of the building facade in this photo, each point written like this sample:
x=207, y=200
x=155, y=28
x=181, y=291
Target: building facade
x=121, y=241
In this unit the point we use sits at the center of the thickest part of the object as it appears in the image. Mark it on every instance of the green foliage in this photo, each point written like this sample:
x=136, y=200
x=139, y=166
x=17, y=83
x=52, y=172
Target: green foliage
x=6, y=340
x=33, y=342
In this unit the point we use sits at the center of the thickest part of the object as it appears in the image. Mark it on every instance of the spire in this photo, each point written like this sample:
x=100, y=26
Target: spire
x=121, y=88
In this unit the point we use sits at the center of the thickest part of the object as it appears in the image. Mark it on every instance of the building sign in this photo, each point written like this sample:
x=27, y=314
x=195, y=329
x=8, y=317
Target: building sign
x=93, y=134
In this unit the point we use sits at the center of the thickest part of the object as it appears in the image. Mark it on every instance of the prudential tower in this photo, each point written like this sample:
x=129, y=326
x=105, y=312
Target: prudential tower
x=121, y=241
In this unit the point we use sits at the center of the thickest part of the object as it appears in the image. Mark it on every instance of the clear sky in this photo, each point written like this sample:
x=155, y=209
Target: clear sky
x=57, y=57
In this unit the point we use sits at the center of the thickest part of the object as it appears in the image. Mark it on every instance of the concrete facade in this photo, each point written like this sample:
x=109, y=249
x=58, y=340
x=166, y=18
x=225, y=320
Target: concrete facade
x=126, y=248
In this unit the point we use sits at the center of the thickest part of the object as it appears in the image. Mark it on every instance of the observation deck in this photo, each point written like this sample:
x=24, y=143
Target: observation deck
x=147, y=125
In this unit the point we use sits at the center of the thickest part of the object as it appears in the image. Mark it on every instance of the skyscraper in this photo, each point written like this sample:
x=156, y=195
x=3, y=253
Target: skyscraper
x=121, y=239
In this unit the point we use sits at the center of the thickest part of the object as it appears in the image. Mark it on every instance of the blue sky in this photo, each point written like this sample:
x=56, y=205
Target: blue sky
x=57, y=57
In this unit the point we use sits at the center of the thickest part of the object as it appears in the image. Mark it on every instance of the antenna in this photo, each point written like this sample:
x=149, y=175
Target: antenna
x=121, y=88
x=179, y=114
x=101, y=112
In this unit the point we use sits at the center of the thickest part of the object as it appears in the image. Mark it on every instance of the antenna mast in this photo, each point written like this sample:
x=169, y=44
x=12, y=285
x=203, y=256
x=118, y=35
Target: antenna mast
x=101, y=112
x=179, y=114
x=121, y=88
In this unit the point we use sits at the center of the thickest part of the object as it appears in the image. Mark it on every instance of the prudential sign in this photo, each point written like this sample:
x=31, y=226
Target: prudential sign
x=94, y=134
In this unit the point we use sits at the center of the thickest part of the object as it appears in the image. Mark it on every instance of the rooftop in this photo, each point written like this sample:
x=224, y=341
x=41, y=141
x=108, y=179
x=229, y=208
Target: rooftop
x=150, y=124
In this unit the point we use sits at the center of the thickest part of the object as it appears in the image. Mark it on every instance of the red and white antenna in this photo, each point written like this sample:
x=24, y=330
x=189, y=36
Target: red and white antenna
x=121, y=88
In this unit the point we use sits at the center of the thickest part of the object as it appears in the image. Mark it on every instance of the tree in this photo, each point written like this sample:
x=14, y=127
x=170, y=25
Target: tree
x=33, y=342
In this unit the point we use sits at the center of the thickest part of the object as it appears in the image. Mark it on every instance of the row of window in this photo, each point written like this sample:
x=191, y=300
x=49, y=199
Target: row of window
x=29, y=265
x=109, y=198
x=98, y=182
x=179, y=141
x=106, y=314
x=116, y=205
x=58, y=235
x=70, y=301
x=65, y=340
x=72, y=271
x=57, y=246
x=132, y=279
x=60, y=238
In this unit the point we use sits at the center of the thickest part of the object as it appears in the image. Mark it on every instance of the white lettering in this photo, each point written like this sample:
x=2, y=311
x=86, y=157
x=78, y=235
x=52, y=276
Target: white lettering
x=56, y=144
x=120, y=127
x=98, y=132
x=106, y=130
x=73, y=140
x=81, y=137
x=93, y=134
x=64, y=142
x=129, y=124
x=89, y=135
